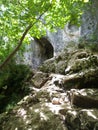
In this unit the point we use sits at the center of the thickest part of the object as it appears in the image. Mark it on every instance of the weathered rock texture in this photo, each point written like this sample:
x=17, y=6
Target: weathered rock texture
x=89, y=27
x=64, y=92
x=62, y=97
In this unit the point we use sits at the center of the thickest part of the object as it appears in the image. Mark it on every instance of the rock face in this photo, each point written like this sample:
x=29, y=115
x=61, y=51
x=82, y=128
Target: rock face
x=62, y=97
x=89, y=27
x=49, y=46
x=53, y=43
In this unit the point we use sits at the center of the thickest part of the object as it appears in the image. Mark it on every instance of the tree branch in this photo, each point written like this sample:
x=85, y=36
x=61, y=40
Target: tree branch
x=20, y=42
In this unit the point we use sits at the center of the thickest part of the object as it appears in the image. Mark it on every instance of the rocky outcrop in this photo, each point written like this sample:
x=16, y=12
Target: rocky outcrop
x=85, y=119
x=39, y=79
x=63, y=96
x=79, y=67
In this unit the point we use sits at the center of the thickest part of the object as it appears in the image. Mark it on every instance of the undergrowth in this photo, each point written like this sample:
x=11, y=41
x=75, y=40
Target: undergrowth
x=13, y=80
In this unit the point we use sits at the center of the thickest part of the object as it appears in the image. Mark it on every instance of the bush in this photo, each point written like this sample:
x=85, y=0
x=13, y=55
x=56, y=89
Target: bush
x=12, y=82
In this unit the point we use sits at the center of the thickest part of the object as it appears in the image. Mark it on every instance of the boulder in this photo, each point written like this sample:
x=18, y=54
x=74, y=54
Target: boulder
x=56, y=64
x=82, y=119
x=39, y=79
x=85, y=98
x=83, y=114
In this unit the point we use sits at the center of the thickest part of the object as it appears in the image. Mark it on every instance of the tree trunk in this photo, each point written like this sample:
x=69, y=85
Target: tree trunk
x=17, y=47
x=20, y=41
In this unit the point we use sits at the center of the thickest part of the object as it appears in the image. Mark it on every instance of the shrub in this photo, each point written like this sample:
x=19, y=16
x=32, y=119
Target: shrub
x=12, y=82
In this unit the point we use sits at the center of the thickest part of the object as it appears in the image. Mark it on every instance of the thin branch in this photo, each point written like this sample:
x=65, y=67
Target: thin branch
x=19, y=43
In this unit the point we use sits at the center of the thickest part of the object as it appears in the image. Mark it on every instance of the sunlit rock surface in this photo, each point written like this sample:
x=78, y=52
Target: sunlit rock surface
x=80, y=68
x=63, y=95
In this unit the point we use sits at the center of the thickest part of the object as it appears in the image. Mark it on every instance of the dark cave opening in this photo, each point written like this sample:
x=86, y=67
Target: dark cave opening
x=46, y=48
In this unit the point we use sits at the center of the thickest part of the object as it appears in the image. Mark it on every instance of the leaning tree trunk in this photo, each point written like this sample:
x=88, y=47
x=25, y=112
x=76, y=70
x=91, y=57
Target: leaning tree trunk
x=16, y=49
x=19, y=43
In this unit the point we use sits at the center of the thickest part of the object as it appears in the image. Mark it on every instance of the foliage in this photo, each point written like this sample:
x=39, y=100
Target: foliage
x=12, y=82
x=16, y=15
x=20, y=20
x=91, y=45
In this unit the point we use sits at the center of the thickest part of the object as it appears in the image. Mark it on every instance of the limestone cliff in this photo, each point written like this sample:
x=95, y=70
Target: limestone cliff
x=53, y=43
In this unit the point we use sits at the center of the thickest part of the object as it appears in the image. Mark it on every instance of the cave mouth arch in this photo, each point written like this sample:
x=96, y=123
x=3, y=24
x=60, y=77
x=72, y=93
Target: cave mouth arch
x=46, y=48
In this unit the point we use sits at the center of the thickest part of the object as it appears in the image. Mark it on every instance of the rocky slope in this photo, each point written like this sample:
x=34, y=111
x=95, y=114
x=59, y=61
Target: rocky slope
x=63, y=96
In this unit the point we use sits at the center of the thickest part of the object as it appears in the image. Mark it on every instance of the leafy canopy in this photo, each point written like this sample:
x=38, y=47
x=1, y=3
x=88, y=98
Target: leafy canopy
x=16, y=15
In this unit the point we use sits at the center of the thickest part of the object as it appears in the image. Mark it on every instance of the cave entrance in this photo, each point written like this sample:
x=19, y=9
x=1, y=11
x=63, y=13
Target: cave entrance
x=44, y=50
